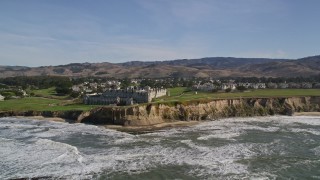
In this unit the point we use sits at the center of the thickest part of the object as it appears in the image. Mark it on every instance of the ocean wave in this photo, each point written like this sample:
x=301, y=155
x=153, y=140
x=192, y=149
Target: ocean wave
x=316, y=150
x=222, y=135
x=308, y=130
x=42, y=158
x=79, y=151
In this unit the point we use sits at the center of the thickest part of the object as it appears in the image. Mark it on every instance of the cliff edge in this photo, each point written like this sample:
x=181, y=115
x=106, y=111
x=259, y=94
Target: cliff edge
x=155, y=113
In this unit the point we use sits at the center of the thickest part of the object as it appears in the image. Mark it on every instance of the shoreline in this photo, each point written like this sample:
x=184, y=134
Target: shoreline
x=55, y=119
x=162, y=115
x=306, y=114
x=146, y=128
x=128, y=129
x=152, y=128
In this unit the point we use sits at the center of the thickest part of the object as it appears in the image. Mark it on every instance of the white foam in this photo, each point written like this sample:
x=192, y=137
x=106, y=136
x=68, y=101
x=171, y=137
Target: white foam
x=70, y=151
x=307, y=120
x=219, y=160
x=125, y=140
x=311, y=131
x=223, y=135
x=165, y=133
x=316, y=151
x=42, y=158
x=44, y=154
x=228, y=129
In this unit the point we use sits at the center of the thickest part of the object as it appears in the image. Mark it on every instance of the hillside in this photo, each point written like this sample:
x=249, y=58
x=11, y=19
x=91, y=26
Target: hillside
x=204, y=67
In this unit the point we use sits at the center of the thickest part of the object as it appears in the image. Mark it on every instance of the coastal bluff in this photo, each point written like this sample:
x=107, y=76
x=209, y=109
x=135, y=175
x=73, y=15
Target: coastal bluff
x=194, y=110
x=156, y=113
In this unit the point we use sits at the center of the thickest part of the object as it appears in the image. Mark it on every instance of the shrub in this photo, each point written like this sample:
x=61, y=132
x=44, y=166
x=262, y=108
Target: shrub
x=241, y=88
x=228, y=90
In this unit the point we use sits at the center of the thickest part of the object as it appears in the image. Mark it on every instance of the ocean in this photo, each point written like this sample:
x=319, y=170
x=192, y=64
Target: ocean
x=275, y=147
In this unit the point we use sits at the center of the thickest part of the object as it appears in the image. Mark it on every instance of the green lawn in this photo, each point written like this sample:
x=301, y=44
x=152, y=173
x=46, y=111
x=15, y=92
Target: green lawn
x=49, y=93
x=177, y=91
x=179, y=94
x=45, y=92
x=41, y=104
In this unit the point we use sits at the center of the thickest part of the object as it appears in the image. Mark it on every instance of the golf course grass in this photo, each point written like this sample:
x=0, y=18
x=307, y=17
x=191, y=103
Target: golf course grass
x=46, y=100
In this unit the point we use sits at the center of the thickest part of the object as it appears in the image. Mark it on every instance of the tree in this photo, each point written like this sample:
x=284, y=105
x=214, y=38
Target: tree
x=228, y=90
x=74, y=94
x=241, y=88
x=63, y=88
x=125, y=83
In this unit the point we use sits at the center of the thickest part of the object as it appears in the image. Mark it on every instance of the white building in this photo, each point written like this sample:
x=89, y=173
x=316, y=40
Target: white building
x=259, y=85
x=253, y=85
x=206, y=87
x=225, y=86
x=1, y=98
x=125, y=97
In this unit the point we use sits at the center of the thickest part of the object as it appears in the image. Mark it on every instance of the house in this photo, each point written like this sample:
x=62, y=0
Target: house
x=306, y=85
x=225, y=86
x=246, y=85
x=259, y=86
x=205, y=87
x=76, y=88
x=271, y=85
x=283, y=86
x=253, y=85
x=1, y=98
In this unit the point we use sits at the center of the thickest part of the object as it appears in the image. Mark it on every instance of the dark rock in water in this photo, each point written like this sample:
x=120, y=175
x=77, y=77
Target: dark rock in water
x=289, y=112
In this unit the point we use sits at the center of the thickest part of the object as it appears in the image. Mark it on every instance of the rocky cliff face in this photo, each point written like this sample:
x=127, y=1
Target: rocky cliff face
x=149, y=114
x=70, y=115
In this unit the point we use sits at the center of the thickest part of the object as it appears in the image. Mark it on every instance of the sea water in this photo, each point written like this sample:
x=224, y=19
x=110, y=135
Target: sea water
x=277, y=147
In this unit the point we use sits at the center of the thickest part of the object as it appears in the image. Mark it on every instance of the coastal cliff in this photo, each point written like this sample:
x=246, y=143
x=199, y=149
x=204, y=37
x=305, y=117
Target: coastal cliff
x=70, y=115
x=155, y=113
x=196, y=110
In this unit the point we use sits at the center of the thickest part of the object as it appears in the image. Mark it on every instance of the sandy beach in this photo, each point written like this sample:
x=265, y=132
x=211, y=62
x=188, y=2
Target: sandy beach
x=145, y=129
x=306, y=114
x=56, y=119
x=131, y=129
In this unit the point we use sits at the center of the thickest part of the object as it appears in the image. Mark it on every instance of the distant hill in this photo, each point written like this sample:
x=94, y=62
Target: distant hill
x=301, y=67
x=214, y=62
x=204, y=67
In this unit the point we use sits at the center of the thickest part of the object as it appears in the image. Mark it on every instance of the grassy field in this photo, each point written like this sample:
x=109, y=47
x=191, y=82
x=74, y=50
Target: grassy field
x=48, y=93
x=45, y=92
x=177, y=91
x=50, y=102
x=180, y=94
x=44, y=100
x=41, y=104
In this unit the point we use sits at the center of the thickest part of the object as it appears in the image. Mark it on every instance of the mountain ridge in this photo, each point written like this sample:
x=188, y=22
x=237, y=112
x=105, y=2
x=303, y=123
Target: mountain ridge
x=202, y=67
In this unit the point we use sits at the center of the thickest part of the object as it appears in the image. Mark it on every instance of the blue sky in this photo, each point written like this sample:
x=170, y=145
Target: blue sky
x=53, y=32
